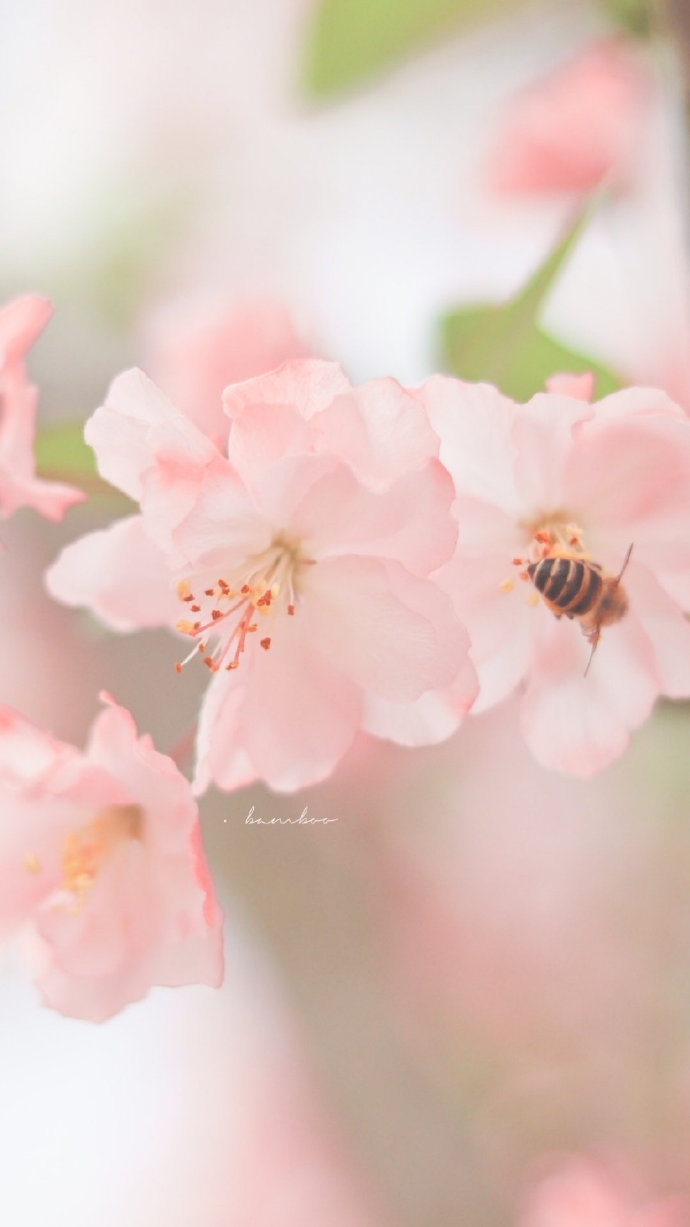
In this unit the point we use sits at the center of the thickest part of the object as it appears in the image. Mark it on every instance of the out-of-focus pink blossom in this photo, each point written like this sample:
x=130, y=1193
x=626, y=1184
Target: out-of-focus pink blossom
x=300, y=560
x=194, y=350
x=582, y=1192
x=21, y=322
x=102, y=866
x=560, y=478
x=580, y=123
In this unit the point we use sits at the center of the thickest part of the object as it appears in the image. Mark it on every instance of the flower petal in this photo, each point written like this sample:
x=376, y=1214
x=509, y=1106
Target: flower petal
x=118, y=573
x=474, y=423
x=579, y=724
x=287, y=717
x=393, y=634
x=138, y=426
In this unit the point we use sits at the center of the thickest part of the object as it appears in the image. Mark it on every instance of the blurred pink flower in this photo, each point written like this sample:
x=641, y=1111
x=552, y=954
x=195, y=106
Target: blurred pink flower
x=21, y=322
x=584, y=1193
x=564, y=133
x=301, y=562
x=560, y=478
x=194, y=350
x=102, y=866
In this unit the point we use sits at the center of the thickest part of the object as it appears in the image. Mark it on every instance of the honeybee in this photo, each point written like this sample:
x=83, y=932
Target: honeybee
x=583, y=590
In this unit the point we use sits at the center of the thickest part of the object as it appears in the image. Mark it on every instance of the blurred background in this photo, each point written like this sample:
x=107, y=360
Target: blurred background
x=465, y=1000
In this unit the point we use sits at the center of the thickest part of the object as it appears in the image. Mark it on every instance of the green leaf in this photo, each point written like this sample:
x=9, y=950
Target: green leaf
x=62, y=455
x=635, y=16
x=349, y=40
x=503, y=344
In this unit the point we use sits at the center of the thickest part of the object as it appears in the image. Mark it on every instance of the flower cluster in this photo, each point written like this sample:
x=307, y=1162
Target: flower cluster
x=330, y=563
x=340, y=559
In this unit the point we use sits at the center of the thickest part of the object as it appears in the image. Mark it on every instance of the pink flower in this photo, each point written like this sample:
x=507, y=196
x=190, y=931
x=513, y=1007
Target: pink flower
x=195, y=350
x=300, y=561
x=581, y=122
x=585, y=1193
x=102, y=866
x=559, y=478
x=21, y=322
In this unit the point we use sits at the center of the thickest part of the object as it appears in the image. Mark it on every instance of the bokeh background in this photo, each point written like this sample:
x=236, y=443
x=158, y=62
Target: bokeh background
x=478, y=974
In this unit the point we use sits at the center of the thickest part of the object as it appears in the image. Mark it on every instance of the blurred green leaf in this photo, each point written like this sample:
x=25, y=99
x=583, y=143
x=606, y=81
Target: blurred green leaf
x=635, y=16
x=62, y=455
x=349, y=40
x=503, y=344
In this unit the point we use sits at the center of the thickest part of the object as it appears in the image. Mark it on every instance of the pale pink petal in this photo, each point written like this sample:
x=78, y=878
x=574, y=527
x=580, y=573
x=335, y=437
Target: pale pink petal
x=137, y=426
x=474, y=424
x=339, y=516
x=638, y=402
x=581, y=724
x=19, y=486
x=221, y=522
x=196, y=349
x=432, y=718
x=628, y=480
x=287, y=716
x=485, y=529
x=118, y=573
x=500, y=623
x=542, y=434
x=21, y=323
x=581, y=387
x=308, y=385
x=667, y=630
x=260, y=438
x=393, y=634
x=174, y=497
x=50, y=498
x=380, y=429
x=26, y=752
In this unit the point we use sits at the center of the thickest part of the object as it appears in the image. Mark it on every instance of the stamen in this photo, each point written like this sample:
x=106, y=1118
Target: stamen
x=229, y=607
x=85, y=850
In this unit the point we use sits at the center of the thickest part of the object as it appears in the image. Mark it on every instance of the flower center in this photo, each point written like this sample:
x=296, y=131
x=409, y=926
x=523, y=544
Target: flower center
x=549, y=536
x=230, y=608
x=85, y=850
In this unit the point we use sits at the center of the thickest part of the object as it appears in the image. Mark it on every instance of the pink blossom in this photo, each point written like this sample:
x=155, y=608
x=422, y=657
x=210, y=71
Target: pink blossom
x=21, y=322
x=102, y=866
x=194, y=350
x=582, y=1192
x=568, y=130
x=300, y=561
x=560, y=478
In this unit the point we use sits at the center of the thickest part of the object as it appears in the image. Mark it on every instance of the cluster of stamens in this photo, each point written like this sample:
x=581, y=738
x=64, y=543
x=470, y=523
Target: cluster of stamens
x=85, y=849
x=231, y=612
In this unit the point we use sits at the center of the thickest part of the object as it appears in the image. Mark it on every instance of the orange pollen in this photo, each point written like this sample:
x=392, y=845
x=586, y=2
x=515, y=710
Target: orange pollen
x=85, y=850
x=229, y=606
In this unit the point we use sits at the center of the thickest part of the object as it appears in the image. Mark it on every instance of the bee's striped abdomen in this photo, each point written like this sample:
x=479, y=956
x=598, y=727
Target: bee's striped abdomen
x=568, y=585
